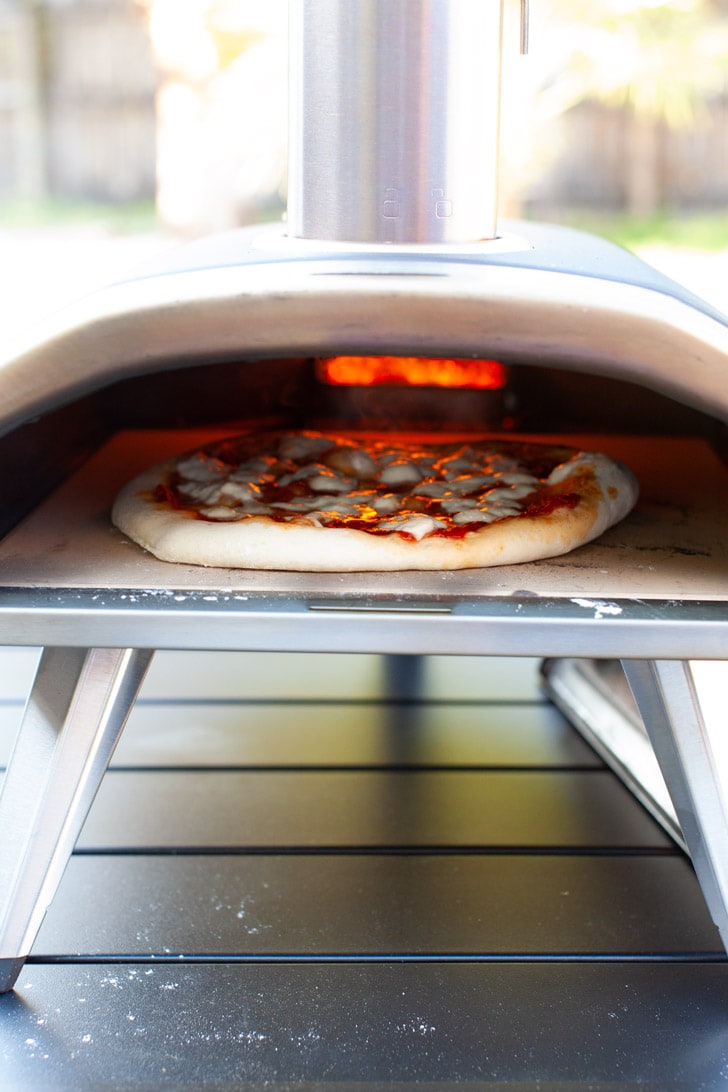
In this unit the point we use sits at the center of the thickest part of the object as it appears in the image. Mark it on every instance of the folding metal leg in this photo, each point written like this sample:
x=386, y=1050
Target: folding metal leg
x=668, y=701
x=77, y=708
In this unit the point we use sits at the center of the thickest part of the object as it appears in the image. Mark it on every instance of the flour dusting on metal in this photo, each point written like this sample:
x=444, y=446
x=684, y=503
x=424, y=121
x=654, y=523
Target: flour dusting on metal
x=600, y=608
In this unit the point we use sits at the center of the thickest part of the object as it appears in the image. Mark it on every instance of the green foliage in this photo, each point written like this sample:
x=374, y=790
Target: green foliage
x=122, y=219
x=662, y=58
x=704, y=232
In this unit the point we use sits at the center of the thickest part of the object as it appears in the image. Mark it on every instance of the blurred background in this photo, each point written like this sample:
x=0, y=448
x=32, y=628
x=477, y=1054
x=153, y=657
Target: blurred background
x=127, y=126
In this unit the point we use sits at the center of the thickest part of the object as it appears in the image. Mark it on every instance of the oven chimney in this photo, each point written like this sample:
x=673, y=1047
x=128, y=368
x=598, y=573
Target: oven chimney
x=394, y=120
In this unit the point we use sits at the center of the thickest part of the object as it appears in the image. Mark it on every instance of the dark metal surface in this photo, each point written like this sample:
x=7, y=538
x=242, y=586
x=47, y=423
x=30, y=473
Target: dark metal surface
x=354, y=809
x=400, y=734
x=475, y=906
x=273, y=735
x=654, y=1027
x=517, y=964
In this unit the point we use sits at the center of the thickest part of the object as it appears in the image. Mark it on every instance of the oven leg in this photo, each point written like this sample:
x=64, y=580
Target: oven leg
x=403, y=677
x=668, y=700
x=77, y=708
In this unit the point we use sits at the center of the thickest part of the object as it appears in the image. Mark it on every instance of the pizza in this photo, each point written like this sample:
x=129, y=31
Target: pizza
x=321, y=502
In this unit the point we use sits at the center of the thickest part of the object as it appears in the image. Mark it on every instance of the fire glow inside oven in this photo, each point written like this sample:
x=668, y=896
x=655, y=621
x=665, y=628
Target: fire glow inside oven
x=390, y=252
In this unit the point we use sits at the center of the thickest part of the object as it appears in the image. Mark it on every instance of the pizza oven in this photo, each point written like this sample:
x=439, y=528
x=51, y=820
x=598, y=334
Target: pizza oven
x=391, y=299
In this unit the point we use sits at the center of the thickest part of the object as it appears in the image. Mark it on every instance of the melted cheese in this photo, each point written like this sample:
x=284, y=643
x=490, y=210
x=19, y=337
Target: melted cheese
x=201, y=468
x=401, y=472
x=413, y=524
x=404, y=491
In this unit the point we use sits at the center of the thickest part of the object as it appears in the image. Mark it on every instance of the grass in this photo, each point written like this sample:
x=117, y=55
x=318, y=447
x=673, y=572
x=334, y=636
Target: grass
x=694, y=231
x=122, y=219
x=706, y=231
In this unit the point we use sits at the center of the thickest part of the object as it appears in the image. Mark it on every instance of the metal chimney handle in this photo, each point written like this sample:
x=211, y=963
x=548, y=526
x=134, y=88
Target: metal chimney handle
x=525, y=24
x=394, y=126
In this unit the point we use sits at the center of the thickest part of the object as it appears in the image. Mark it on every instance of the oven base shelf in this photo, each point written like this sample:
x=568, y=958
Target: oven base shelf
x=669, y=549
x=514, y=626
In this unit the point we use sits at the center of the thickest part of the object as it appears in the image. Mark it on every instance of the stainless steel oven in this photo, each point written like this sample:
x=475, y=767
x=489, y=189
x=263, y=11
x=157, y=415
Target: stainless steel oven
x=391, y=248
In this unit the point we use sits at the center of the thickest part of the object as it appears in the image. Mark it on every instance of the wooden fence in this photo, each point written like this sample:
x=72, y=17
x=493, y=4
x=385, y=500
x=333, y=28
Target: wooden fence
x=77, y=100
x=608, y=160
x=77, y=121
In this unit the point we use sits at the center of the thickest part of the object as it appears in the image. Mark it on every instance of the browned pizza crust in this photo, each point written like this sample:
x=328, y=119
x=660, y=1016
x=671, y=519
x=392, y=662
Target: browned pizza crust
x=606, y=491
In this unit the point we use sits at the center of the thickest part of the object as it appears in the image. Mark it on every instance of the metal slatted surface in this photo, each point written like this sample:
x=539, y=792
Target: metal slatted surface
x=307, y=869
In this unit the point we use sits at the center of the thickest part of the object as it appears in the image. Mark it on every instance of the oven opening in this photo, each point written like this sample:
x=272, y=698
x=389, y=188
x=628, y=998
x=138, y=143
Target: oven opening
x=411, y=371
x=406, y=393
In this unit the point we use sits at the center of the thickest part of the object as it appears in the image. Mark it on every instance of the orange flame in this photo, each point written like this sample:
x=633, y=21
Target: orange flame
x=411, y=371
